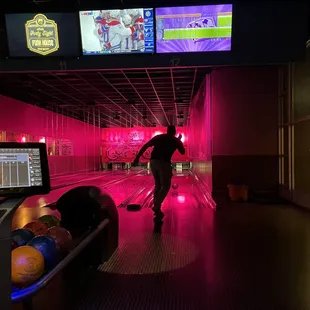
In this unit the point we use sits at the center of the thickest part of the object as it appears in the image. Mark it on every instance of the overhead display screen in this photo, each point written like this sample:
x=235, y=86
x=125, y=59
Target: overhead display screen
x=206, y=28
x=48, y=34
x=117, y=31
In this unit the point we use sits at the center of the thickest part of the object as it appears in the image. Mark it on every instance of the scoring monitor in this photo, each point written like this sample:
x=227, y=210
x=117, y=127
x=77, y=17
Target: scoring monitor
x=23, y=169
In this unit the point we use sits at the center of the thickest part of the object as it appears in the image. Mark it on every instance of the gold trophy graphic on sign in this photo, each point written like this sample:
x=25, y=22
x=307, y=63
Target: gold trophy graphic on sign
x=42, y=35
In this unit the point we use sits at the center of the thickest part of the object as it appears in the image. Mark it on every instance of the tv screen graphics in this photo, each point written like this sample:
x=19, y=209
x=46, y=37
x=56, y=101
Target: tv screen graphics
x=125, y=31
x=43, y=34
x=206, y=28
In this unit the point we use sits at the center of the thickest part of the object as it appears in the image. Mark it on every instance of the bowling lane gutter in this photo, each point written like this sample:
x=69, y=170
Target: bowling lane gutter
x=206, y=195
x=136, y=194
x=34, y=289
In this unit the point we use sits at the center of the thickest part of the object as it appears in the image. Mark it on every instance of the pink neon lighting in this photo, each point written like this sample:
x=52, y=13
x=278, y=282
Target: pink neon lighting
x=183, y=137
x=181, y=199
x=23, y=139
x=122, y=144
x=42, y=140
x=156, y=133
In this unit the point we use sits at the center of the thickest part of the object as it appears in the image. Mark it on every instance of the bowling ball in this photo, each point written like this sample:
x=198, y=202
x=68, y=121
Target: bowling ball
x=175, y=186
x=37, y=227
x=48, y=248
x=14, y=245
x=14, y=289
x=22, y=236
x=27, y=266
x=175, y=194
x=49, y=220
x=62, y=237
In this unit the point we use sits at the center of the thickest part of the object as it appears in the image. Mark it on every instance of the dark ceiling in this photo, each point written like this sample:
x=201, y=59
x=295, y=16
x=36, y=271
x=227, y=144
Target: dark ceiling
x=110, y=98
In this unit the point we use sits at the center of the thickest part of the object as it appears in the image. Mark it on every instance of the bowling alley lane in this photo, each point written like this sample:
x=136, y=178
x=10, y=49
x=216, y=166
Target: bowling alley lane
x=151, y=256
x=79, y=177
x=34, y=207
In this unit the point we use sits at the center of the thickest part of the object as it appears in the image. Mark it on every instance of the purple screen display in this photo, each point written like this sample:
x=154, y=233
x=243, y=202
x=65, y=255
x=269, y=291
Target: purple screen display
x=194, y=29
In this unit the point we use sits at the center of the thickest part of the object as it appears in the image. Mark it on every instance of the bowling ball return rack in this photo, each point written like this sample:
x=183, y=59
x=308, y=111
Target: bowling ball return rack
x=92, y=248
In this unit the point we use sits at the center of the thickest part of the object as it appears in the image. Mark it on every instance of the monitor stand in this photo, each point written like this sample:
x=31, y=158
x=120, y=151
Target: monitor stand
x=7, y=209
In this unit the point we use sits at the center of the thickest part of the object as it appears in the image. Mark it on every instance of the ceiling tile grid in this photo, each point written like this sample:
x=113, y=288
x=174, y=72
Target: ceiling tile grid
x=110, y=98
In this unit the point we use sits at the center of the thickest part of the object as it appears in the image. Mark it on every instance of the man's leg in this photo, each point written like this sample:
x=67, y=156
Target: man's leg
x=165, y=174
x=156, y=175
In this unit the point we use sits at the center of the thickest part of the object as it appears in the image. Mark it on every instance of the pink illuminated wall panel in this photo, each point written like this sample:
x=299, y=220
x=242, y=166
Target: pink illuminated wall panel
x=122, y=144
x=17, y=116
x=199, y=125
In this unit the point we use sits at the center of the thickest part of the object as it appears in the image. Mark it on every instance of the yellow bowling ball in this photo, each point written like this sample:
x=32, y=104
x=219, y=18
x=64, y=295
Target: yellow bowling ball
x=27, y=266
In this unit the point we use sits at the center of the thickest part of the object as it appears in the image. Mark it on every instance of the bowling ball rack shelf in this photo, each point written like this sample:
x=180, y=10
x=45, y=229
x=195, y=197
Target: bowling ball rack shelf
x=25, y=294
x=91, y=248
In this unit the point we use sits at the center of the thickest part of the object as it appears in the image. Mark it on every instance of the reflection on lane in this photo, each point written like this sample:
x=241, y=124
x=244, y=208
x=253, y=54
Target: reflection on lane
x=122, y=190
x=119, y=192
x=67, y=181
x=39, y=201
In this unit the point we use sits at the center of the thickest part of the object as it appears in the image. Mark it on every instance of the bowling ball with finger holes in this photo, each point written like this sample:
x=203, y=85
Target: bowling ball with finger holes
x=27, y=266
x=37, y=227
x=175, y=186
x=62, y=237
x=22, y=236
x=49, y=220
x=49, y=249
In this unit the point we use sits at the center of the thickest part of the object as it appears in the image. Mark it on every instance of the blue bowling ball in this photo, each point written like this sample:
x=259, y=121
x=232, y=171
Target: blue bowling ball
x=14, y=289
x=21, y=236
x=48, y=248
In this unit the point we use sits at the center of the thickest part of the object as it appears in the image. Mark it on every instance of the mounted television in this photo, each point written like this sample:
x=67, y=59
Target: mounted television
x=117, y=31
x=48, y=34
x=205, y=28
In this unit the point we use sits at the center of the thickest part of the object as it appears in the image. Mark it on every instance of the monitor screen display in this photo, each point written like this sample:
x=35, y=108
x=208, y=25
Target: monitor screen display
x=204, y=28
x=23, y=169
x=20, y=168
x=117, y=31
x=48, y=34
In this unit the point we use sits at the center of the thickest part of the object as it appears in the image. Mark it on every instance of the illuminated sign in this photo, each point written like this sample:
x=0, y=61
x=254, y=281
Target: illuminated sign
x=42, y=35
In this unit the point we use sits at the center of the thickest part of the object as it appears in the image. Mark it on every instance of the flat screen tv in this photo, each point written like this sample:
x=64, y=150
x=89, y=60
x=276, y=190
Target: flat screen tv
x=205, y=28
x=38, y=34
x=125, y=31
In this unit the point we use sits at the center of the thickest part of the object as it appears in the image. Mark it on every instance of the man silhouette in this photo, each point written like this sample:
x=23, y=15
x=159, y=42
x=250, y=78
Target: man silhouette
x=164, y=147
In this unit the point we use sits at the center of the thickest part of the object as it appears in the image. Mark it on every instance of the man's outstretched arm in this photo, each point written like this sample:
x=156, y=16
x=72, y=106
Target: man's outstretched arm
x=143, y=149
x=181, y=148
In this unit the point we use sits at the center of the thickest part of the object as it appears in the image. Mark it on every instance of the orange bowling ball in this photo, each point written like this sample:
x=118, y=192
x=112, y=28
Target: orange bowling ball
x=27, y=266
x=37, y=227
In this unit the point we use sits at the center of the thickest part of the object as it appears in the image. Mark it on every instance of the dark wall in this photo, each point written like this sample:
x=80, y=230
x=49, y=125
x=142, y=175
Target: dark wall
x=245, y=127
x=301, y=131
